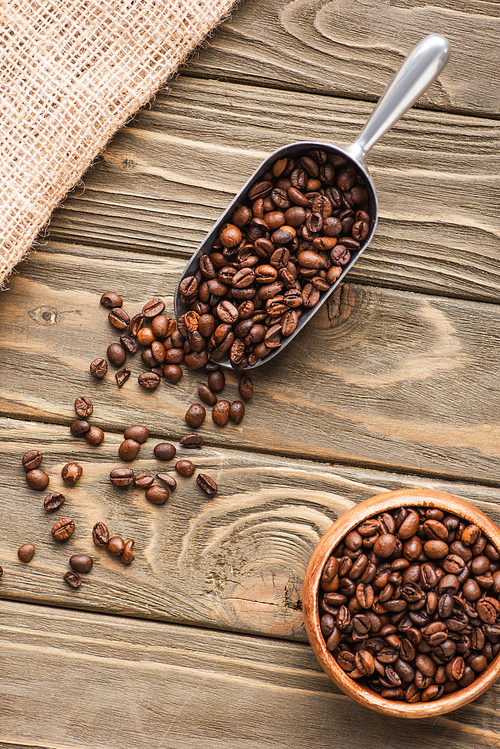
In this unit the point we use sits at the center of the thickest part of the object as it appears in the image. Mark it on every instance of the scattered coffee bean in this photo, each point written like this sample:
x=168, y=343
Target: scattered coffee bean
x=37, y=479
x=116, y=354
x=79, y=427
x=207, y=484
x=32, y=459
x=129, y=343
x=143, y=479
x=98, y=368
x=168, y=479
x=149, y=380
x=127, y=557
x=129, y=450
x=71, y=473
x=53, y=501
x=195, y=415
x=119, y=318
x=26, y=552
x=84, y=407
x=122, y=376
x=110, y=299
x=136, y=432
x=216, y=381
x=81, y=563
x=116, y=545
x=63, y=529
x=94, y=435
x=122, y=476
x=153, y=308
x=157, y=495
x=185, y=468
x=73, y=580
x=164, y=451
x=192, y=441
x=236, y=411
x=172, y=373
x=220, y=413
x=245, y=387
x=100, y=534
x=206, y=395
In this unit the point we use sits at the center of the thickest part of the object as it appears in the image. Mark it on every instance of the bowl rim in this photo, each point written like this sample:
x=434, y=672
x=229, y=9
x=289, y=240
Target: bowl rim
x=343, y=525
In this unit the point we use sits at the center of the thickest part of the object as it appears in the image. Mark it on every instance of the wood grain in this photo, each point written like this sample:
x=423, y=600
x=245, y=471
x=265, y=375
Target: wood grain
x=351, y=49
x=163, y=181
x=234, y=562
x=380, y=378
x=84, y=680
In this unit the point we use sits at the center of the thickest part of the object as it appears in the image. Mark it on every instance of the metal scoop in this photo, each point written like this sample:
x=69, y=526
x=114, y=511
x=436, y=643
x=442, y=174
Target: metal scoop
x=415, y=75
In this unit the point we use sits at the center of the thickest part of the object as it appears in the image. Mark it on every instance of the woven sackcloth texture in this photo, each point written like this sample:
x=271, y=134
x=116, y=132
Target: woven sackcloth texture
x=71, y=73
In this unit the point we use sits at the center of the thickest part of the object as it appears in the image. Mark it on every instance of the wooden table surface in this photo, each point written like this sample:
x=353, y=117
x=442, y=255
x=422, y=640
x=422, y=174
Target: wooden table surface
x=200, y=642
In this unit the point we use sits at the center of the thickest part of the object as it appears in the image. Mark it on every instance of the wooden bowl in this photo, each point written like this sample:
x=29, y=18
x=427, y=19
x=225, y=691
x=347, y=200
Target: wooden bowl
x=347, y=522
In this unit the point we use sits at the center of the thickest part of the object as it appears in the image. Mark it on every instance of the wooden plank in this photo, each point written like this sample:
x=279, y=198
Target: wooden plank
x=234, y=562
x=352, y=49
x=381, y=378
x=83, y=681
x=164, y=179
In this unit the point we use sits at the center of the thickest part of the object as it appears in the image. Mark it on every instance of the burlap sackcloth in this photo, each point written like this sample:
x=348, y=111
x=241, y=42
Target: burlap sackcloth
x=71, y=73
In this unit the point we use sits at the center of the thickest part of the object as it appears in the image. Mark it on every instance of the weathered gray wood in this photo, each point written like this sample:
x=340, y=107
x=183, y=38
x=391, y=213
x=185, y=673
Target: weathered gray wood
x=234, y=562
x=86, y=681
x=351, y=48
x=383, y=378
x=164, y=180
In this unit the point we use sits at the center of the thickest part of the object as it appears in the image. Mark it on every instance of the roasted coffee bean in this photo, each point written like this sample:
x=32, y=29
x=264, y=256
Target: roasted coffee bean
x=71, y=473
x=145, y=337
x=98, y=368
x=185, y=468
x=63, y=529
x=81, y=563
x=127, y=557
x=192, y=441
x=26, y=552
x=195, y=415
x=216, y=381
x=236, y=411
x=164, y=451
x=116, y=354
x=172, y=373
x=129, y=449
x=220, y=413
x=149, y=380
x=153, y=308
x=32, y=459
x=207, y=484
x=100, y=534
x=116, y=545
x=122, y=376
x=79, y=427
x=73, y=580
x=157, y=495
x=137, y=432
x=83, y=408
x=129, y=343
x=37, y=479
x=168, y=479
x=143, y=479
x=53, y=501
x=119, y=318
x=206, y=395
x=94, y=435
x=110, y=299
x=122, y=476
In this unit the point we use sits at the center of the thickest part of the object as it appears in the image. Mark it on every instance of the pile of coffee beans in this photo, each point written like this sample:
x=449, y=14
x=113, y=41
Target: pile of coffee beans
x=409, y=603
x=281, y=251
x=84, y=408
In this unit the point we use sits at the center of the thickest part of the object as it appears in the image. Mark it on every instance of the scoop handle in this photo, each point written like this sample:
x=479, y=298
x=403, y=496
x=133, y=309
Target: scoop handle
x=418, y=71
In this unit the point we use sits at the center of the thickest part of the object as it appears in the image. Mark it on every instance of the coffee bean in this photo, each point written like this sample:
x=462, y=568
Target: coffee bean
x=122, y=476
x=81, y=563
x=207, y=484
x=236, y=411
x=72, y=579
x=172, y=373
x=100, y=534
x=149, y=380
x=192, y=441
x=32, y=459
x=195, y=415
x=164, y=451
x=119, y=318
x=216, y=381
x=116, y=545
x=206, y=395
x=79, y=427
x=122, y=376
x=157, y=495
x=37, y=479
x=127, y=557
x=136, y=432
x=143, y=479
x=94, y=435
x=153, y=308
x=110, y=299
x=129, y=343
x=168, y=479
x=98, y=368
x=53, y=501
x=63, y=529
x=71, y=473
x=116, y=354
x=84, y=407
x=185, y=468
x=26, y=552
x=246, y=388
x=220, y=413
x=129, y=449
